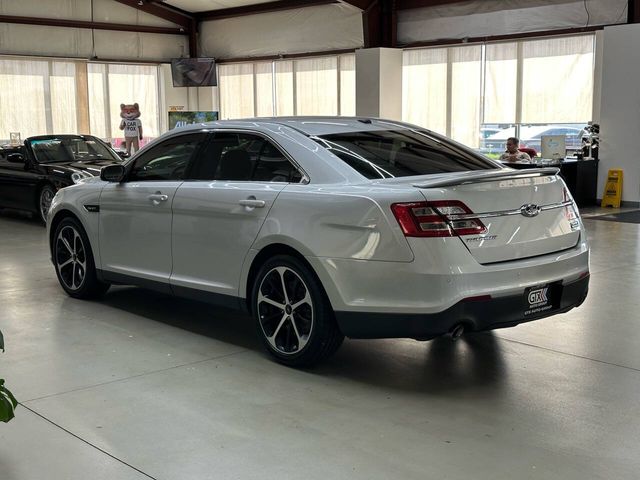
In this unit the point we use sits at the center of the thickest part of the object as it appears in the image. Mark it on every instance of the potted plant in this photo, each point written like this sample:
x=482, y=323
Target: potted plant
x=8, y=402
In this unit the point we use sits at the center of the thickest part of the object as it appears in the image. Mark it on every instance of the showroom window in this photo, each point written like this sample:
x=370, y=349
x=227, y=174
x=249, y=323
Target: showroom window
x=466, y=78
x=264, y=89
x=112, y=84
x=347, y=89
x=42, y=96
x=284, y=88
x=236, y=90
x=442, y=90
x=481, y=94
x=557, y=80
x=500, y=88
x=37, y=97
x=305, y=86
x=424, y=88
x=99, y=119
x=317, y=86
x=62, y=87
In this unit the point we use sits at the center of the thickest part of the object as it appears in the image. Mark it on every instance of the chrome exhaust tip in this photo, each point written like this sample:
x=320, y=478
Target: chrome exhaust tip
x=457, y=331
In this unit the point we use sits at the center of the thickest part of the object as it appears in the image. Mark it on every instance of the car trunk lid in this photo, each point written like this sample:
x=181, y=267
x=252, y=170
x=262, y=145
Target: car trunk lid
x=501, y=215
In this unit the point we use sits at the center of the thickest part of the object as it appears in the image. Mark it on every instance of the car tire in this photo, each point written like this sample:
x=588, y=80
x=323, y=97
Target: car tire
x=298, y=327
x=73, y=260
x=45, y=196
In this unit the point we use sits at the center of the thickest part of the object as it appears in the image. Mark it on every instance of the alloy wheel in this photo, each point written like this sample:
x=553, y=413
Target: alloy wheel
x=285, y=310
x=71, y=258
x=46, y=197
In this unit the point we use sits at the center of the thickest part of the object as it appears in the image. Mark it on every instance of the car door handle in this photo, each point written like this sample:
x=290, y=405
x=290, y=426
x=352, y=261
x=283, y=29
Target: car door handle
x=252, y=203
x=158, y=197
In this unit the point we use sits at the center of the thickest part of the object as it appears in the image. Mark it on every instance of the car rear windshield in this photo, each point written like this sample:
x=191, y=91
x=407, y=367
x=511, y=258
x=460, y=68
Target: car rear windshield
x=402, y=153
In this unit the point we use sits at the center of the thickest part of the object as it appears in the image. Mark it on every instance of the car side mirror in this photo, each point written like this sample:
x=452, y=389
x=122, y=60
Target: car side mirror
x=15, y=158
x=112, y=173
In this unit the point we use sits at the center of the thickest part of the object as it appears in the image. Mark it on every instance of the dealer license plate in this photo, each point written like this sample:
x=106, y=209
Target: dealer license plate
x=542, y=299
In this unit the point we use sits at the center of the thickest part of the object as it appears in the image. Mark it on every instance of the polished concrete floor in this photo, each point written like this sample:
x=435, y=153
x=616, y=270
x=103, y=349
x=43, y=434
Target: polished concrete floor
x=141, y=385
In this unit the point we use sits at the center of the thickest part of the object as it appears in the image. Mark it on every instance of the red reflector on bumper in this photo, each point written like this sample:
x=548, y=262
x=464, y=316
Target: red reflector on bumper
x=478, y=298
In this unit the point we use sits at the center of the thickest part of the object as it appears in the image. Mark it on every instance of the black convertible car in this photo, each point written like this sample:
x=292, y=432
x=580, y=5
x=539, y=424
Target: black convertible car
x=31, y=174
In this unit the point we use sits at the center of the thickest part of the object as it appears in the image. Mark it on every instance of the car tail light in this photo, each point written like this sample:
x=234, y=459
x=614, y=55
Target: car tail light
x=570, y=211
x=444, y=218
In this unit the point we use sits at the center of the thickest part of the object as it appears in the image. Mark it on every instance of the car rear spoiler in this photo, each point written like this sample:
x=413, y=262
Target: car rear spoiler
x=484, y=176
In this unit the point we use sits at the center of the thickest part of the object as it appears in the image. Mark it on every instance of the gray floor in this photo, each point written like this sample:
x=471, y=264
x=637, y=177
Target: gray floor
x=141, y=385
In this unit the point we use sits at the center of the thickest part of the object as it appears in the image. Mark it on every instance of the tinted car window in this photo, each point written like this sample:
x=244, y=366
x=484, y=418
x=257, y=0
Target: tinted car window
x=71, y=149
x=167, y=161
x=244, y=157
x=401, y=153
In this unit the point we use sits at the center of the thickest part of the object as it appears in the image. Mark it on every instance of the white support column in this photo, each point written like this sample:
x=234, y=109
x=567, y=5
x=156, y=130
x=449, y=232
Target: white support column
x=619, y=109
x=379, y=83
x=46, y=80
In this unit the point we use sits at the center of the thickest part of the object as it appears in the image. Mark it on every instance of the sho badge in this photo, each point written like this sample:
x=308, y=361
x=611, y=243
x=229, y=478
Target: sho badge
x=538, y=297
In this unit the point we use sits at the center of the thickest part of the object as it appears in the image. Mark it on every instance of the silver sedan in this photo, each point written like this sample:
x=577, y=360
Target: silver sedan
x=324, y=228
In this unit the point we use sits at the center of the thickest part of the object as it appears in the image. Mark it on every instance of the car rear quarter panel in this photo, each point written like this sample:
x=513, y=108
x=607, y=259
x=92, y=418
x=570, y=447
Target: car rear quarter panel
x=353, y=222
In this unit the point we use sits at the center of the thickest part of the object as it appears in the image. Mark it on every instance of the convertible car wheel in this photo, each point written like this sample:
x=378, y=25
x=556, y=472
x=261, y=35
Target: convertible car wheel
x=74, y=263
x=294, y=318
x=44, y=201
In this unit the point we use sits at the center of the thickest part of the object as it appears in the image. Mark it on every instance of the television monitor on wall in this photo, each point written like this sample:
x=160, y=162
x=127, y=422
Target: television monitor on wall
x=193, y=72
x=182, y=118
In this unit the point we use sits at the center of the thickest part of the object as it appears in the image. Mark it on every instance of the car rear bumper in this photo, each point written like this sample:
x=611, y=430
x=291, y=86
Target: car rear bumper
x=476, y=314
x=442, y=275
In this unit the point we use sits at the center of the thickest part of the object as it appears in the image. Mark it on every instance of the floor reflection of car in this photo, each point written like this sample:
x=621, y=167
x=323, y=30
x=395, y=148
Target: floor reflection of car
x=324, y=228
x=530, y=137
x=32, y=173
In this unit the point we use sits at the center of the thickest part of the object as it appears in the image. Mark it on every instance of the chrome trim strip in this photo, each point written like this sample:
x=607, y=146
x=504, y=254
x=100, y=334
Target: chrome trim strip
x=505, y=213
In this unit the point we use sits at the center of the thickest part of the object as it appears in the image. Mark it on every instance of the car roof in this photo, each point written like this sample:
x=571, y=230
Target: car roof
x=293, y=135
x=328, y=125
x=309, y=126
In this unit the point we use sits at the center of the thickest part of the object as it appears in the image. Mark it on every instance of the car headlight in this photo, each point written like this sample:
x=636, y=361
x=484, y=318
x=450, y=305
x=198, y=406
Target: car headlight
x=77, y=176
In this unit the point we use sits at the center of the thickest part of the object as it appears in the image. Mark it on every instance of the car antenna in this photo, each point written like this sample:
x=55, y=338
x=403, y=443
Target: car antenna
x=364, y=120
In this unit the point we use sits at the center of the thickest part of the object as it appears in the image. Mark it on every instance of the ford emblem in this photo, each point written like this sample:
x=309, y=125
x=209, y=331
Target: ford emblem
x=530, y=210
